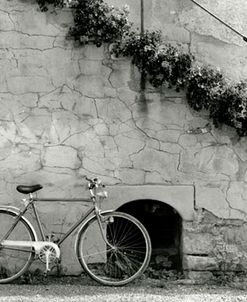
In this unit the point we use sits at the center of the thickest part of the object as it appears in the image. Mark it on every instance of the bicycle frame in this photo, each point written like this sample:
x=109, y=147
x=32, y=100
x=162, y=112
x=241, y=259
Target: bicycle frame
x=112, y=247
x=73, y=227
x=31, y=203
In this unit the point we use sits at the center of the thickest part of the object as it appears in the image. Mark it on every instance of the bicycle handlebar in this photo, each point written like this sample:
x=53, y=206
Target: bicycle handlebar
x=93, y=181
x=94, y=184
x=90, y=179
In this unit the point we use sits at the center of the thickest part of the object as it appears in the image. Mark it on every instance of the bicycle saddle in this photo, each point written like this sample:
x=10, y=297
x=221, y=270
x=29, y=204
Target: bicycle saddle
x=28, y=189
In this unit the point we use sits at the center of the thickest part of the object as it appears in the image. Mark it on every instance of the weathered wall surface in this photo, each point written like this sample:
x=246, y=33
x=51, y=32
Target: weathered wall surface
x=210, y=41
x=71, y=111
x=207, y=39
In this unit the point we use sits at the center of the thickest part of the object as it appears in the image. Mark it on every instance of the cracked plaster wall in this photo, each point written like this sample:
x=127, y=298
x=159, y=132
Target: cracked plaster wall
x=69, y=111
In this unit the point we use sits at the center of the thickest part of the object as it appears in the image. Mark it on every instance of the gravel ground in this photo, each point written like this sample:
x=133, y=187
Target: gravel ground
x=77, y=290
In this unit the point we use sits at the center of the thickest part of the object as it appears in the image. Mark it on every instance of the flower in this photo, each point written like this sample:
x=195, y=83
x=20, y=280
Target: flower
x=69, y=3
x=126, y=9
x=165, y=64
x=147, y=48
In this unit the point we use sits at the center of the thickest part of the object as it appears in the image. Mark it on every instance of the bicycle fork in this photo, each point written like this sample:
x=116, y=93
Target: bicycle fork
x=102, y=220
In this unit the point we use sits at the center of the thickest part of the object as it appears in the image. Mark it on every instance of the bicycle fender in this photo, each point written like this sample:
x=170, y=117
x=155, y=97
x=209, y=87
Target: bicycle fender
x=85, y=222
x=16, y=211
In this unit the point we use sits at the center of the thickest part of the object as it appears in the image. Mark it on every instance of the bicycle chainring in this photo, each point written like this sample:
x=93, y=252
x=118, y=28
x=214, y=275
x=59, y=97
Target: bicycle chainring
x=47, y=253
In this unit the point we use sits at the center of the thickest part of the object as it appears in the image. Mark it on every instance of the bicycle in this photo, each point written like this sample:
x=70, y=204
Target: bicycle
x=119, y=254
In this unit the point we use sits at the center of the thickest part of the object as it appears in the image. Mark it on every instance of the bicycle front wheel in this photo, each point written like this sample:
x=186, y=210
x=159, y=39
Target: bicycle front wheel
x=14, y=261
x=125, y=257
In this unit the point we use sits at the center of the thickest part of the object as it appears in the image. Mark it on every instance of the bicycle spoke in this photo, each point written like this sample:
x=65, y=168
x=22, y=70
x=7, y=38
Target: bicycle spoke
x=16, y=249
x=95, y=254
x=128, y=257
x=12, y=256
x=14, y=261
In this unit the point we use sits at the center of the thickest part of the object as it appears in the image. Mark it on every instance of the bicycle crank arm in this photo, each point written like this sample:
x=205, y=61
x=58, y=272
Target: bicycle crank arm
x=38, y=246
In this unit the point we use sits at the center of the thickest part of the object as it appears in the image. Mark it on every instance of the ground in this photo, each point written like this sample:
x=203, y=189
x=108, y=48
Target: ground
x=74, y=289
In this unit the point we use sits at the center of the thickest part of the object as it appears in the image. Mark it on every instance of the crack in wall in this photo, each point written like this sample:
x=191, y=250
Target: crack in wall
x=122, y=130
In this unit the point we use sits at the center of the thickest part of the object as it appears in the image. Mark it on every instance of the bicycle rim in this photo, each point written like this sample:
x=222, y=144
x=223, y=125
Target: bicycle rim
x=120, y=263
x=14, y=262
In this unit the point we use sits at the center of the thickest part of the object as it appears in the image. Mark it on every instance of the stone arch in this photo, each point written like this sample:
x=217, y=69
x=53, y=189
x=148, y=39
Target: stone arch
x=164, y=225
x=176, y=203
x=179, y=197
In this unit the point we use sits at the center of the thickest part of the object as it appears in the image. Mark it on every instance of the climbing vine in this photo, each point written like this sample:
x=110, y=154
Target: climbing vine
x=162, y=63
x=43, y=4
x=206, y=87
x=99, y=22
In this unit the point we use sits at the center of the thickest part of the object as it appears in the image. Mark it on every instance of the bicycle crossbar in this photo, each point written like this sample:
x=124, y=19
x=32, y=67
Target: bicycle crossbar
x=63, y=199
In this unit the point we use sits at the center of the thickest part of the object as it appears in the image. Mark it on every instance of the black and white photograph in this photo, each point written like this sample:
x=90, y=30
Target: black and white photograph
x=123, y=151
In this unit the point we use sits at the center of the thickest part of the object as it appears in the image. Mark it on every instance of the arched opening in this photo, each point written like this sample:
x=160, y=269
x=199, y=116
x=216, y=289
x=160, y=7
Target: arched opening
x=164, y=225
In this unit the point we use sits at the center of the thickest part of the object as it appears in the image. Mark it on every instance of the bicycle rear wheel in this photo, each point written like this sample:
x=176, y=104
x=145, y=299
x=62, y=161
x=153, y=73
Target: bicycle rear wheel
x=14, y=261
x=126, y=258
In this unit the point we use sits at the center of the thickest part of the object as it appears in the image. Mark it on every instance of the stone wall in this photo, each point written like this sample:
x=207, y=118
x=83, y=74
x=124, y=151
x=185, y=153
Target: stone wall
x=212, y=245
x=71, y=111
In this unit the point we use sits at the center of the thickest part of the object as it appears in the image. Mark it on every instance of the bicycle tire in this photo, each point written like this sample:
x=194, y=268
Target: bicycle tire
x=14, y=263
x=119, y=265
